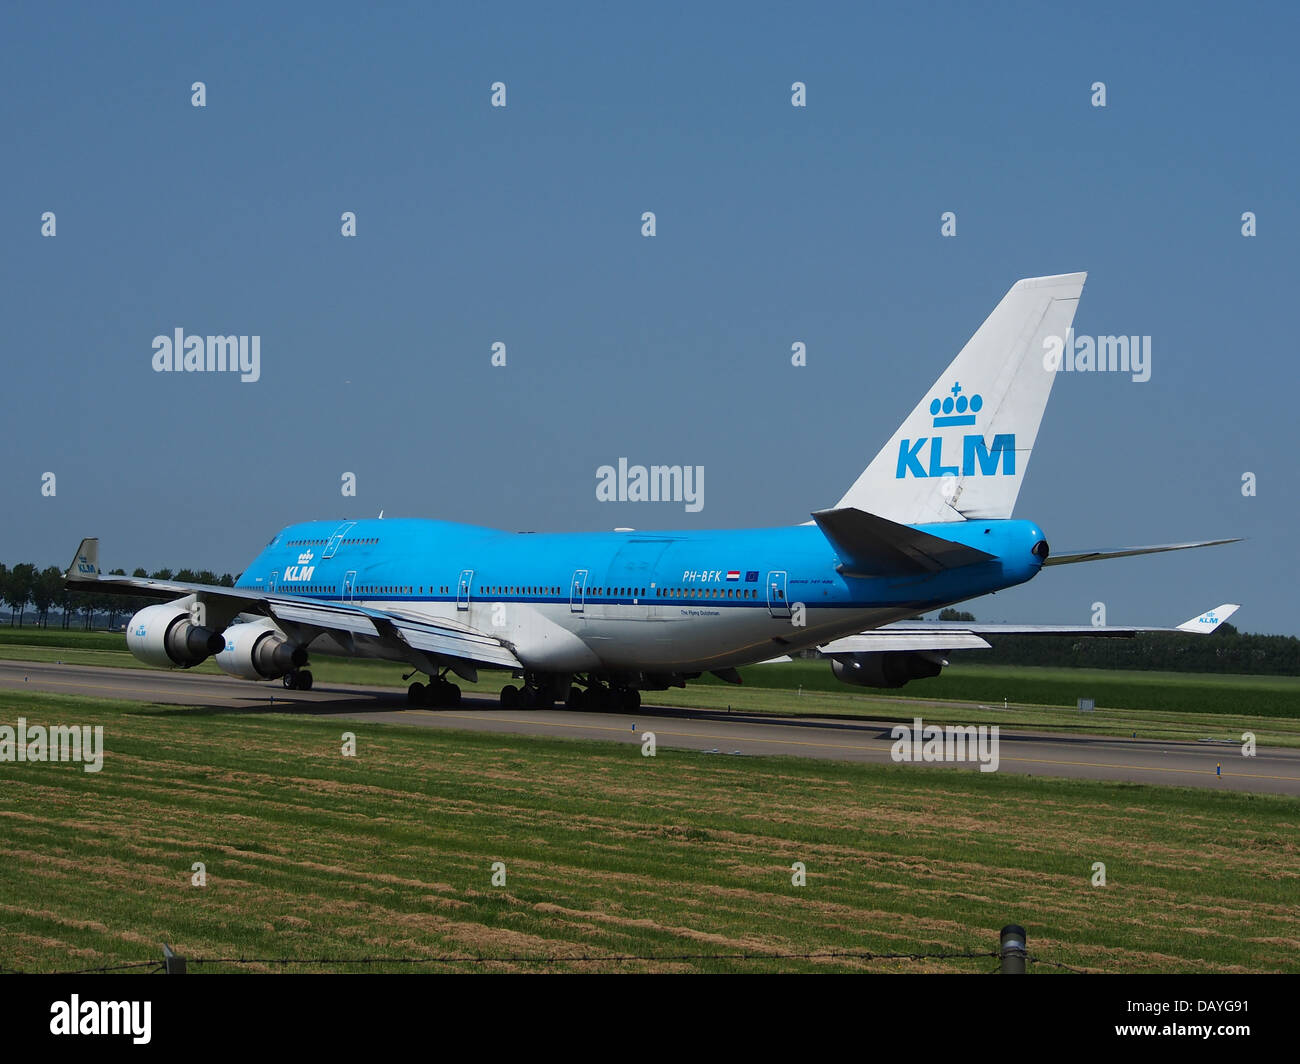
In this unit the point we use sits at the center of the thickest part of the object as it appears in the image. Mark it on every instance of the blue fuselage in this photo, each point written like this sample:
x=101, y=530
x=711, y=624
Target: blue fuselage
x=673, y=601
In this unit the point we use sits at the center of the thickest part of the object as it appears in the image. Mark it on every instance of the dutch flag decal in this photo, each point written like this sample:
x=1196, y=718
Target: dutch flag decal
x=733, y=574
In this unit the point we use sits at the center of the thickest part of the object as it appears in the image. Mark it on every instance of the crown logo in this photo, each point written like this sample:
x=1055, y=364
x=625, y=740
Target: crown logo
x=305, y=557
x=952, y=409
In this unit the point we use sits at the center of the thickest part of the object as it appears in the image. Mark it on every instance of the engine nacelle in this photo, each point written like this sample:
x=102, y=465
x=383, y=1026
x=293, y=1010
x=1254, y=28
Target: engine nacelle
x=258, y=650
x=888, y=668
x=165, y=636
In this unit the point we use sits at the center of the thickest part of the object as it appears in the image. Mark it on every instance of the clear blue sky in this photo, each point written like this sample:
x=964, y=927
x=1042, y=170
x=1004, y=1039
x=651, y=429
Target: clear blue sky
x=522, y=225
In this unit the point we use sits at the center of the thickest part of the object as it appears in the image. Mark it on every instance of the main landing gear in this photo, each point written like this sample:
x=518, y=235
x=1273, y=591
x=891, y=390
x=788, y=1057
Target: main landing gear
x=526, y=697
x=439, y=693
x=297, y=680
x=604, y=698
x=543, y=690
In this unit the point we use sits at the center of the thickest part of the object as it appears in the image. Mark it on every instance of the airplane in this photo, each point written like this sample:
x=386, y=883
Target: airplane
x=594, y=619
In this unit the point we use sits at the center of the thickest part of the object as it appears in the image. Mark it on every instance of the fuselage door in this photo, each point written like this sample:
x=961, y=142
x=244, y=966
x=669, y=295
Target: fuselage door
x=777, y=605
x=275, y=576
x=336, y=539
x=349, y=582
x=578, y=595
x=463, y=586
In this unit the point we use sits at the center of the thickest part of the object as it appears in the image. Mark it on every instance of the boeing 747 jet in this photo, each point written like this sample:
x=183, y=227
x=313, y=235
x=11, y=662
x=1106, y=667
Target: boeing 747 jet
x=594, y=619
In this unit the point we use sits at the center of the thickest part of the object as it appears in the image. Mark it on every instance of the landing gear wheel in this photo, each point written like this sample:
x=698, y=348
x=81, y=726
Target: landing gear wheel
x=575, y=699
x=528, y=698
x=630, y=699
x=297, y=680
x=509, y=697
x=416, y=694
x=451, y=694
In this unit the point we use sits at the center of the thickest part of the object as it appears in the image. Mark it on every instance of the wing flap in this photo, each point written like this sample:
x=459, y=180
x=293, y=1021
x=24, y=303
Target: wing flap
x=454, y=643
x=883, y=640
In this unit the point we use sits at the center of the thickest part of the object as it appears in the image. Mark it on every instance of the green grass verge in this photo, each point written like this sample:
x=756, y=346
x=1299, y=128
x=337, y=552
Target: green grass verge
x=310, y=854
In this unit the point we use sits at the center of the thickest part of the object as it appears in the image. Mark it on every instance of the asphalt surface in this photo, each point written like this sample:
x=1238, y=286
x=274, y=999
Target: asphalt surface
x=725, y=734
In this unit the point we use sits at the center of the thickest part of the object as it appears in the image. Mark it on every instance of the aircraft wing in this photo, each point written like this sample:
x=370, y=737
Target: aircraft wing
x=458, y=646
x=969, y=635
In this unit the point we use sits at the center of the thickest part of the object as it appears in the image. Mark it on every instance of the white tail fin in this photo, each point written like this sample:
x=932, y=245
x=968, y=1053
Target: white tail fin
x=962, y=453
x=85, y=563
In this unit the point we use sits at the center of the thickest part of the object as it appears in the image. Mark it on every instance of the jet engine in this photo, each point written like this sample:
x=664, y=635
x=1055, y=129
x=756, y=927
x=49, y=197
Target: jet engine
x=891, y=668
x=165, y=636
x=258, y=650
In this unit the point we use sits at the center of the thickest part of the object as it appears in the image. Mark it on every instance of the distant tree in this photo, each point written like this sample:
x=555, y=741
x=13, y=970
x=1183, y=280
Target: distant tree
x=226, y=580
x=18, y=589
x=46, y=590
x=4, y=581
x=162, y=574
x=141, y=574
x=950, y=614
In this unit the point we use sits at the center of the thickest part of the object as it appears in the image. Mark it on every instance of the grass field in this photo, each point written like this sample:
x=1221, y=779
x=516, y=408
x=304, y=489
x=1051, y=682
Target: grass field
x=310, y=854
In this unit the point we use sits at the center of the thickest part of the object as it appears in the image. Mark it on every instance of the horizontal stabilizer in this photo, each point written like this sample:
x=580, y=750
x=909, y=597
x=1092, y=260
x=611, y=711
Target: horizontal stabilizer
x=872, y=546
x=1070, y=557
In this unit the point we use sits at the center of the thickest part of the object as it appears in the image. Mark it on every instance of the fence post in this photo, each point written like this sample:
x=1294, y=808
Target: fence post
x=173, y=963
x=1014, y=950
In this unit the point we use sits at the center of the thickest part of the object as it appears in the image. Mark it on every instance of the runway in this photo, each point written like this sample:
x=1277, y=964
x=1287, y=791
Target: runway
x=736, y=734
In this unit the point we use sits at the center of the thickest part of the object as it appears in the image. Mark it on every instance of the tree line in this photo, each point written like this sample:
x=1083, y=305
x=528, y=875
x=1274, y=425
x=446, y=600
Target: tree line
x=1225, y=650
x=25, y=588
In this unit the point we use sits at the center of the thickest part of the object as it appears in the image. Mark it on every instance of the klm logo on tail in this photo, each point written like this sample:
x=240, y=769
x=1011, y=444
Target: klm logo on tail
x=951, y=411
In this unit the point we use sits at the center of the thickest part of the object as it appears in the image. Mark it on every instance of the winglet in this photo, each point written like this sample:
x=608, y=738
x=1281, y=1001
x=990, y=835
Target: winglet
x=85, y=564
x=1209, y=621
